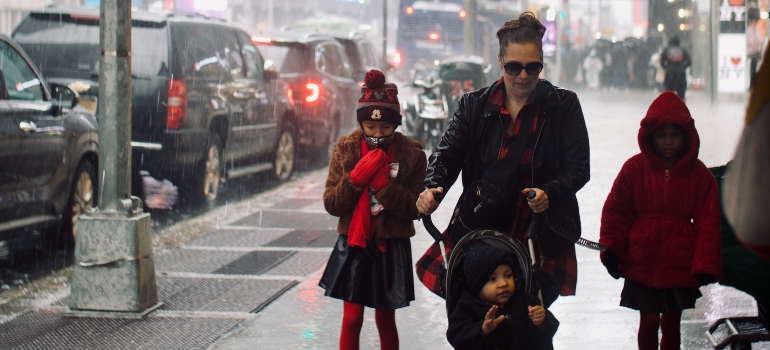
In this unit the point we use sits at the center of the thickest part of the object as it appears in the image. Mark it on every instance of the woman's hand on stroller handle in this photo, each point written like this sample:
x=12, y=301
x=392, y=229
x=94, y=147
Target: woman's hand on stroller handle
x=429, y=200
x=537, y=199
x=490, y=322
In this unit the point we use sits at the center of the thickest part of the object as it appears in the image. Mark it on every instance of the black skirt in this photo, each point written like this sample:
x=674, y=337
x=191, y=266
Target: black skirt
x=369, y=277
x=668, y=300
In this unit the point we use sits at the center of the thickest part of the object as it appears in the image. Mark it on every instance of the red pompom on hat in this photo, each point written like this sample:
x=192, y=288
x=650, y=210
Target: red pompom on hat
x=379, y=100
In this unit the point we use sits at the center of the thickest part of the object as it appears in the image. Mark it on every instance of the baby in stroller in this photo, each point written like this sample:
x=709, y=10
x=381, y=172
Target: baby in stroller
x=488, y=299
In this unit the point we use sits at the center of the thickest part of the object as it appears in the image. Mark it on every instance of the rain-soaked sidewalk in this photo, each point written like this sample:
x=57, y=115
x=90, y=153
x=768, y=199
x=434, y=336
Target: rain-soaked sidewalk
x=245, y=275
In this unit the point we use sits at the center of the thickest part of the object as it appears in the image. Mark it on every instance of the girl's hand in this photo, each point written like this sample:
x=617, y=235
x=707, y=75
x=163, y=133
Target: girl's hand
x=490, y=322
x=427, y=203
x=538, y=204
x=536, y=314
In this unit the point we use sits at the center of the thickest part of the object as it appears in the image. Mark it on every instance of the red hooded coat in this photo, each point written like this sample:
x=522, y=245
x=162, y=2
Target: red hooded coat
x=664, y=224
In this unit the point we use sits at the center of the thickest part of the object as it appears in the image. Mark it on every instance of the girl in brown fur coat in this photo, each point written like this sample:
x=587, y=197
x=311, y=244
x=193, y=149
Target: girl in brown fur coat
x=375, y=176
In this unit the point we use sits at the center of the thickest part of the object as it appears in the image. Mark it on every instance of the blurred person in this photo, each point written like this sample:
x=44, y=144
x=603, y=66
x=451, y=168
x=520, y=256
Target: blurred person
x=543, y=129
x=374, y=179
x=675, y=60
x=592, y=66
x=746, y=184
x=660, y=223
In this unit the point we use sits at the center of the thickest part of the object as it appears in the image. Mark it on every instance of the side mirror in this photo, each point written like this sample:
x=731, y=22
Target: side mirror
x=64, y=95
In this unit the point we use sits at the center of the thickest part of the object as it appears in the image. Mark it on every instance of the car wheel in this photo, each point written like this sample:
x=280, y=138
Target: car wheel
x=209, y=174
x=285, y=154
x=82, y=198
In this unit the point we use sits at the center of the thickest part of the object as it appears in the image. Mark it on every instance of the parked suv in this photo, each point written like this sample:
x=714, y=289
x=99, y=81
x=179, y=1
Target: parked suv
x=48, y=157
x=203, y=108
x=361, y=52
x=323, y=89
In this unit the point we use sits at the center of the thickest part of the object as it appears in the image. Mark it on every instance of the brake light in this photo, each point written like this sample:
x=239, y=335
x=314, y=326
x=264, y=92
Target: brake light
x=409, y=10
x=397, y=58
x=313, y=92
x=462, y=13
x=261, y=40
x=433, y=36
x=176, y=105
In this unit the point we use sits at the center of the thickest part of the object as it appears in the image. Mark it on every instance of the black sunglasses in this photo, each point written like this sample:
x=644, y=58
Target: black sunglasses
x=515, y=68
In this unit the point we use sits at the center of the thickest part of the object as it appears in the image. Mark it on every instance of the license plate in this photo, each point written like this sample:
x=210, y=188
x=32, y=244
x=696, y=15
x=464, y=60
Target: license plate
x=89, y=103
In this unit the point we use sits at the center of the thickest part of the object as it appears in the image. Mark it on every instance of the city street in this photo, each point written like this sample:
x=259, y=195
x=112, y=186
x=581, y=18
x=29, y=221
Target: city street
x=244, y=275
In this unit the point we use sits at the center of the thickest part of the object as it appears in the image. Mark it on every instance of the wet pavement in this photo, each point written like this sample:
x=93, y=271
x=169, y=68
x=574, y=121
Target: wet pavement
x=245, y=274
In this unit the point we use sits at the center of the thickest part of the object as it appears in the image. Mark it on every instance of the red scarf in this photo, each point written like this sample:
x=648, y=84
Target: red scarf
x=362, y=227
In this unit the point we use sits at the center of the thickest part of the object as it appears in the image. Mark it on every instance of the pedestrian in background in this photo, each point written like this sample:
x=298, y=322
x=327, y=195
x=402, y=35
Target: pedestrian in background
x=660, y=223
x=375, y=176
x=524, y=129
x=675, y=60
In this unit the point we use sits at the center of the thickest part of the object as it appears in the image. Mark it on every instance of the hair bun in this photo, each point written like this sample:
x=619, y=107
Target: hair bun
x=374, y=79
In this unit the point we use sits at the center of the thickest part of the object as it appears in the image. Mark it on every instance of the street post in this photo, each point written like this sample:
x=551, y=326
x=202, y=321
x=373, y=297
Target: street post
x=114, y=273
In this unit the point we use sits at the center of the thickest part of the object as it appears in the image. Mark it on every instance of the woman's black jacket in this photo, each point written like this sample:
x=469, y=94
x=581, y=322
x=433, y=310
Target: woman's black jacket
x=474, y=137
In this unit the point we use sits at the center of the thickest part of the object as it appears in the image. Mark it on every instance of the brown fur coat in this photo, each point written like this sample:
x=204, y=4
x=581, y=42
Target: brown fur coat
x=399, y=197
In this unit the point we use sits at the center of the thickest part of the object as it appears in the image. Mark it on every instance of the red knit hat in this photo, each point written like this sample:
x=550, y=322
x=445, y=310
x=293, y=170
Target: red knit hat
x=379, y=100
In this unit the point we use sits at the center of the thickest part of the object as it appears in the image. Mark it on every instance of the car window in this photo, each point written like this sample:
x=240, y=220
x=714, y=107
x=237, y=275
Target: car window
x=328, y=59
x=62, y=46
x=346, y=69
x=20, y=80
x=251, y=58
x=285, y=59
x=199, y=54
x=369, y=56
x=231, y=49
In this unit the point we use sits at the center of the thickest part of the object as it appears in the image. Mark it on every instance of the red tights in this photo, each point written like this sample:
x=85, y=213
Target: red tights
x=353, y=319
x=648, y=331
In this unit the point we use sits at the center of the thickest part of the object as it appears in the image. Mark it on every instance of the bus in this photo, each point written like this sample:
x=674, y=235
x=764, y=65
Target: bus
x=430, y=31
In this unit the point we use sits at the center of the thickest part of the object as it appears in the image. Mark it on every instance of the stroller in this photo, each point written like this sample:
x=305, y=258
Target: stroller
x=455, y=279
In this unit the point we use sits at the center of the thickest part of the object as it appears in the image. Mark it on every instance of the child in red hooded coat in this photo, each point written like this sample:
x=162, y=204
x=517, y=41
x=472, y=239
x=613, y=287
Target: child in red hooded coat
x=660, y=223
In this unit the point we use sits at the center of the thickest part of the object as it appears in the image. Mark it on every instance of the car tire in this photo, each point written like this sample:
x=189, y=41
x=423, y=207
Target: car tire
x=285, y=154
x=208, y=175
x=82, y=198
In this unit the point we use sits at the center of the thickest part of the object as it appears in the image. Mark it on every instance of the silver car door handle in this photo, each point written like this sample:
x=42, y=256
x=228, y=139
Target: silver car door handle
x=28, y=127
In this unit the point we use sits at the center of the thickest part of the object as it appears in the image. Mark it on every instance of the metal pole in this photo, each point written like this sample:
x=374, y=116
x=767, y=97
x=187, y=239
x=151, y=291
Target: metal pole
x=115, y=107
x=384, y=32
x=114, y=273
x=468, y=27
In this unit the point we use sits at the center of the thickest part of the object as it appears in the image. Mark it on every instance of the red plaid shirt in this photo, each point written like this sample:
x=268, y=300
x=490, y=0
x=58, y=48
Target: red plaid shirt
x=564, y=267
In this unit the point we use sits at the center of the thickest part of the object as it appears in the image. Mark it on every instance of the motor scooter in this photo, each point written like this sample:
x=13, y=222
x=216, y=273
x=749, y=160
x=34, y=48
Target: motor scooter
x=429, y=112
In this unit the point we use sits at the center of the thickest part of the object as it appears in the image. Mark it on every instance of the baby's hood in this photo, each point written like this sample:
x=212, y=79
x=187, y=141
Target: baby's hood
x=668, y=108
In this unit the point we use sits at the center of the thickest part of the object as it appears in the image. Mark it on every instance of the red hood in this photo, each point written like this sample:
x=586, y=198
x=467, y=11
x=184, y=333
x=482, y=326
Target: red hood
x=668, y=108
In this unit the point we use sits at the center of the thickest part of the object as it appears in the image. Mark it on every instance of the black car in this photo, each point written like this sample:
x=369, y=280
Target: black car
x=323, y=89
x=203, y=108
x=48, y=157
x=361, y=51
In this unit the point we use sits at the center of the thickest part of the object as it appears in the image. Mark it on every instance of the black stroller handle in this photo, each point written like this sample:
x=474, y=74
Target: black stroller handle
x=428, y=222
x=430, y=227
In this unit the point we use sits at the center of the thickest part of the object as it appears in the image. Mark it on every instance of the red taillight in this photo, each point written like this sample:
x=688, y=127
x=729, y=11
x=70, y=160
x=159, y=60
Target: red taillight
x=397, y=58
x=409, y=10
x=176, y=105
x=313, y=92
x=433, y=36
x=462, y=13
